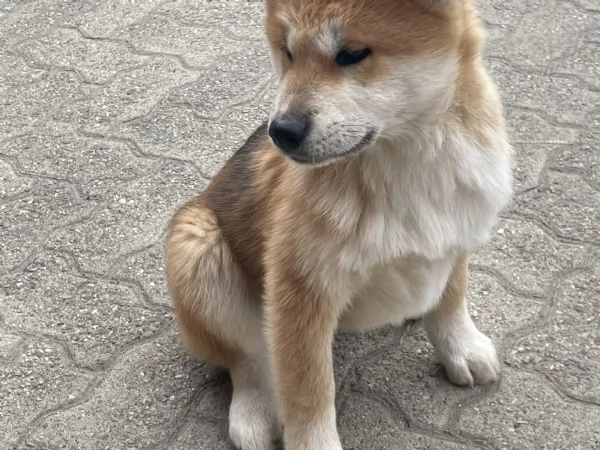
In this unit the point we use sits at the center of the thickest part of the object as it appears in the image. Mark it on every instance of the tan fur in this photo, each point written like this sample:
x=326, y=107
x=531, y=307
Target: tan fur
x=273, y=256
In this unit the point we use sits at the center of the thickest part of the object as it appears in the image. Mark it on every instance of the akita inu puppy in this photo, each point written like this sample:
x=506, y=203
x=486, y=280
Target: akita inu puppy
x=383, y=165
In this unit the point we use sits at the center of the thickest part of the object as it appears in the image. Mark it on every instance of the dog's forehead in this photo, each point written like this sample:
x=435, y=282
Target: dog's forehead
x=325, y=33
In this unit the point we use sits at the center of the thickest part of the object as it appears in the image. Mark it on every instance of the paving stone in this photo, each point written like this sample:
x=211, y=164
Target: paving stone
x=40, y=378
x=129, y=95
x=527, y=257
x=382, y=430
x=28, y=106
x=530, y=163
x=583, y=159
x=498, y=312
x=244, y=23
x=550, y=348
x=410, y=381
x=11, y=183
x=156, y=33
x=137, y=405
x=567, y=204
x=528, y=127
x=8, y=344
x=202, y=436
x=97, y=61
x=26, y=220
x=543, y=35
x=212, y=93
x=146, y=268
x=177, y=131
x=571, y=101
x=95, y=165
x=582, y=62
x=105, y=18
x=528, y=413
x=97, y=319
x=131, y=219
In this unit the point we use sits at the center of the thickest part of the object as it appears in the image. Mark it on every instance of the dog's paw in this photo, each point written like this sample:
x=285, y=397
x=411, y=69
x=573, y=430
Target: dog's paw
x=469, y=357
x=252, y=423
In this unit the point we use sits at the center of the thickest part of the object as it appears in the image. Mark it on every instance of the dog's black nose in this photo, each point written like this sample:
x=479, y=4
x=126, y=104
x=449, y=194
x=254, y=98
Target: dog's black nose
x=289, y=132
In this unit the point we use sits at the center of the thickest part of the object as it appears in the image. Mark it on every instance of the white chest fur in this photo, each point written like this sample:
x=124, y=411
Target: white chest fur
x=427, y=207
x=427, y=203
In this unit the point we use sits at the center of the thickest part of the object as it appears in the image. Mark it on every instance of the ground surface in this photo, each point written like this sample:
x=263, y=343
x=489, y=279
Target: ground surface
x=113, y=112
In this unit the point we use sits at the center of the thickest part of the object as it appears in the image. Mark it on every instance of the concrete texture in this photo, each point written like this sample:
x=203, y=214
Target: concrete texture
x=114, y=112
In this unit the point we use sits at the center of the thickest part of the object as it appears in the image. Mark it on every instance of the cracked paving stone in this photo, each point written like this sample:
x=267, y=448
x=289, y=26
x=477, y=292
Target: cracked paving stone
x=212, y=93
x=25, y=221
x=528, y=413
x=38, y=379
x=243, y=21
x=98, y=61
x=527, y=257
x=96, y=318
x=137, y=405
x=531, y=128
x=95, y=165
x=175, y=131
x=147, y=269
x=567, y=204
x=574, y=364
x=12, y=184
x=571, y=102
x=127, y=96
x=381, y=429
x=132, y=218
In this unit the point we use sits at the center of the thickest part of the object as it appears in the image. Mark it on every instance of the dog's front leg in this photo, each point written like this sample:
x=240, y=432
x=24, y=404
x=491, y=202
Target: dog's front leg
x=301, y=320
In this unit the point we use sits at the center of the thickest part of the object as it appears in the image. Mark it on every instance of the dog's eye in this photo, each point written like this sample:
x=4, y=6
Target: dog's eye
x=347, y=57
x=288, y=54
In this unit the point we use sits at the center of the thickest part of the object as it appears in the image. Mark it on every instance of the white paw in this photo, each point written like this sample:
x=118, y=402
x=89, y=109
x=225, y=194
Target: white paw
x=468, y=356
x=252, y=422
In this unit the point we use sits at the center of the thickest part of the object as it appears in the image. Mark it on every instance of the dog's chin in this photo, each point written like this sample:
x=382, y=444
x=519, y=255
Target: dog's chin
x=324, y=159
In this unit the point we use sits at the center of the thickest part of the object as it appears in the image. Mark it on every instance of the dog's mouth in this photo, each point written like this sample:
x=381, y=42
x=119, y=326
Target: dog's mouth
x=367, y=139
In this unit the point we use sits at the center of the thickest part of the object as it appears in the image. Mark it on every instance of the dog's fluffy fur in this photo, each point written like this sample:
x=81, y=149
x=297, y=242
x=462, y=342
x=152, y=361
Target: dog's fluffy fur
x=406, y=167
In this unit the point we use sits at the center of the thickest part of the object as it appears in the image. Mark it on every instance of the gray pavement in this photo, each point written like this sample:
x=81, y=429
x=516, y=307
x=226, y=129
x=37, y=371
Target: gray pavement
x=113, y=112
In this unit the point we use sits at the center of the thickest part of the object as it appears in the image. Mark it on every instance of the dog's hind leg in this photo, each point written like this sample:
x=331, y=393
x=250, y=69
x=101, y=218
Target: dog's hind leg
x=220, y=322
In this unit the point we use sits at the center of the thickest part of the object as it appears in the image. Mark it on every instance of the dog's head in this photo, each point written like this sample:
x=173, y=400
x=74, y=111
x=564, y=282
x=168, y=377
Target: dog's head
x=354, y=71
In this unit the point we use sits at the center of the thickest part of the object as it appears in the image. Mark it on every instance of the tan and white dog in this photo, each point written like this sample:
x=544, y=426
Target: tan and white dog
x=383, y=165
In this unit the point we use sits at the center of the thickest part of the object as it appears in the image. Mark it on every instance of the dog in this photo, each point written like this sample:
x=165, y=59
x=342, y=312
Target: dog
x=383, y=165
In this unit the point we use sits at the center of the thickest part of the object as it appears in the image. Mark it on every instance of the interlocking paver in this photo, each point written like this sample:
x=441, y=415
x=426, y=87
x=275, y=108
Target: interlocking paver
x=527, y=257
x=39, y=378
x=131, y=218
x=97, y=319
x=26, y=220
x=95, y=165
x=551, y=348
x=115, y=112
x=528, y=413
x=138, y=404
